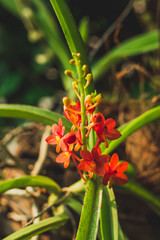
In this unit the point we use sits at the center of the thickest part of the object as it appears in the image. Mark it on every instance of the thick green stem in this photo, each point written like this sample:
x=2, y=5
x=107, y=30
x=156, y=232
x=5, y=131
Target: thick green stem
x=88, y=225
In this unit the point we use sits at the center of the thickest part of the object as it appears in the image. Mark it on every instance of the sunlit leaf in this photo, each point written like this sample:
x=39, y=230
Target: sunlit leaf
x=109, y=216
x=37, y=228
x=34, y=181
x=140, y=44
x=32, y=113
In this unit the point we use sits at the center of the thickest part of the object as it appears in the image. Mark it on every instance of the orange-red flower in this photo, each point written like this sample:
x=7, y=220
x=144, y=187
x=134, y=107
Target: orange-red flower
x=104, y=128
x=58, y=133
x=64, y=157
x=115, y=172
x=93, y=162
x=72, y=111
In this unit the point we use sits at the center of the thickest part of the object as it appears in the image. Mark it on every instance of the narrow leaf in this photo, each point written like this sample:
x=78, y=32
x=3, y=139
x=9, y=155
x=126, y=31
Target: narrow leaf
x=37, y=228
x=32, y=113
x=71, y=33
x=141, y=44
x=144, y=194
x=130, y=127
x=109, y=216
x=34, y=181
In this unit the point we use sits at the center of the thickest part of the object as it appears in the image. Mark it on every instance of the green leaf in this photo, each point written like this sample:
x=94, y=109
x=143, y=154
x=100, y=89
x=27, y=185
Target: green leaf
x=109, y=216
x=137, y=45
x=74, y=204
x=84, y=28
x=37, y=228
x=142, y=193
x=130, y=127
x=10, y=6
x=71, y=33
x=32, y=113
x=88, y=225
x=34, y=181
x=10, y=84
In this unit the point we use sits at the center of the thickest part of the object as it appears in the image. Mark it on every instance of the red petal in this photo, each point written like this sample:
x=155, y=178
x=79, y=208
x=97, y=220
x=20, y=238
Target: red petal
x=103, y=158
x=122, y=167
x=110, y=123
x=96, y=152
x=86, y=155
x=114, y=161
x=63, y=157
x=51, y=140
x=120, y=178
x=84, y=166
x=105, y=179
x=55, y=128
x=107, y=168
x=100, y=169
x=61, y=127
x=111, y=134
x=69, y=138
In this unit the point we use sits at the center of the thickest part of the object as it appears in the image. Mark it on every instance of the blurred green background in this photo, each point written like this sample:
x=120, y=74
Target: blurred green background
x=34, y=53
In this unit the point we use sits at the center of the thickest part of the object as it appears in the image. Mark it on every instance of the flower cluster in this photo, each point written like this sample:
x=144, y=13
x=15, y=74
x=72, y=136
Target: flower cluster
x=83, y=117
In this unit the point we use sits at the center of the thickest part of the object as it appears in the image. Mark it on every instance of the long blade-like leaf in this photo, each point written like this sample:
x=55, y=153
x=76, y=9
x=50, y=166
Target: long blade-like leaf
x=144, y=194
x=130, y=127
x=37, y=228
x=109, y=216
x=137, y=45
x=34, y=181
x=71, y=33
x=32, y=113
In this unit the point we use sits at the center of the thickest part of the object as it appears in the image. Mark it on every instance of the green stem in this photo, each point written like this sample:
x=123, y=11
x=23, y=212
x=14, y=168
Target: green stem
x=82, y=99
x=88, y=225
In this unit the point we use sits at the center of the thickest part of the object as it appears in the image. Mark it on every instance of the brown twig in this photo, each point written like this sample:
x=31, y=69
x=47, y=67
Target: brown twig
x=42, y=152
x=112, y=27
x=56, y=203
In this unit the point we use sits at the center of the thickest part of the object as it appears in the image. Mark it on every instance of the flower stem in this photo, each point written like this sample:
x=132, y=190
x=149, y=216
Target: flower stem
x=82, y=99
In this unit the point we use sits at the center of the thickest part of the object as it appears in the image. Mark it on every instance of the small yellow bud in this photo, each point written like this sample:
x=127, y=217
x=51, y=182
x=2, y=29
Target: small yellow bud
x=74, y=85
x=88, y=98
x=98, y=98
x=89, y=77
x=67, y=101
x=78, y=55
x=74, y=54
x=69, y=73
x=84, y=68
x=72, y=61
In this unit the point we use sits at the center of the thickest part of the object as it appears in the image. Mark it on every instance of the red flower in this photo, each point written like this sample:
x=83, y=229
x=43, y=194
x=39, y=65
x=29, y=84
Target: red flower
x=104, y=128
x=72, y=110
x=114, y=172
x=93, y=162
x=64, y=157
x=58, y=133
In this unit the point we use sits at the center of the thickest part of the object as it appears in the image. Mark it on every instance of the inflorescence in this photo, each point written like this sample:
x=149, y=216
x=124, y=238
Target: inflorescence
x=104, y=165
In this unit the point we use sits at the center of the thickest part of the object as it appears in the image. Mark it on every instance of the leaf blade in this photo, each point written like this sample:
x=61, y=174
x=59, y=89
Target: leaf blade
x=34, y=181
x=32, y=113
x=37, y=228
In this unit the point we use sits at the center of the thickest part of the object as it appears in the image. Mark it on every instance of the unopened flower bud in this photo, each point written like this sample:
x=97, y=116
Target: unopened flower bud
x=72, y=61
x=88, y=98
x=68, y=73
x=67, y=101
x=74, y=85
x=89, y=77
x=98, y=98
